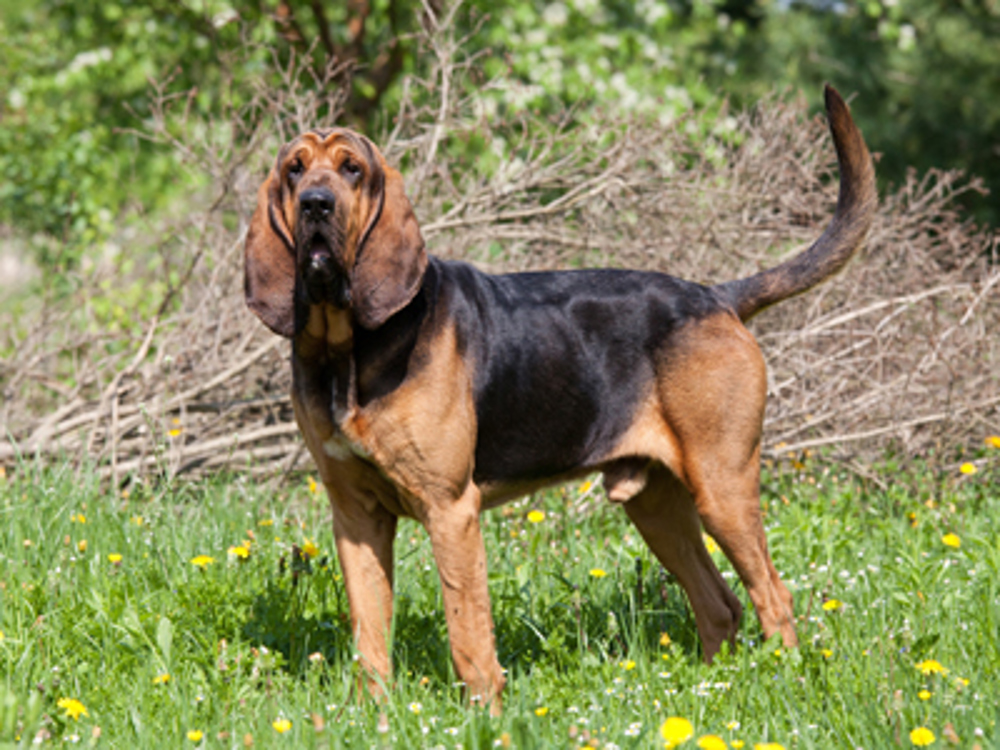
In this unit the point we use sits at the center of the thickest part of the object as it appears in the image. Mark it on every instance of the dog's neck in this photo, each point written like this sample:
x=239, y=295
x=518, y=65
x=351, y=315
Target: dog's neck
x=359, y=365
x=328, y=329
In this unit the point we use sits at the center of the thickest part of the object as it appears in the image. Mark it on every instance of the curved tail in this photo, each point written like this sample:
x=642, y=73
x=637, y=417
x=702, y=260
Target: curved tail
x=855, y=209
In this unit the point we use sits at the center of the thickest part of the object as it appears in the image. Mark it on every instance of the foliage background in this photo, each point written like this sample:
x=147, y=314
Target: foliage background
x=75, y=80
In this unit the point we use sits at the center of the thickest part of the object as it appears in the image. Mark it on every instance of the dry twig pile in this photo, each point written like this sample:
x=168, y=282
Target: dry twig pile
x=901, y=349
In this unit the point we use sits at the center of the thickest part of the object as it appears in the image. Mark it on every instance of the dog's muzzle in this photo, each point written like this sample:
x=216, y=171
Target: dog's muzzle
x=325, y=280
x=324, y=277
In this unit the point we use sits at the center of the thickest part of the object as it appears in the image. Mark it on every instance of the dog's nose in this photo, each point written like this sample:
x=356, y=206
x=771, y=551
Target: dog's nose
x=316, y=203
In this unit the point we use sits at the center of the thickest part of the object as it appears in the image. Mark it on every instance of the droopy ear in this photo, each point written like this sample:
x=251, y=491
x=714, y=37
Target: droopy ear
x=269, y=261
x=391, y=257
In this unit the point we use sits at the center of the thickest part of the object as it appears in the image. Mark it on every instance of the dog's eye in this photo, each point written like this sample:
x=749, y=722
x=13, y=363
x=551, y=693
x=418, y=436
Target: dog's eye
x=351, y=169
x=295, y=170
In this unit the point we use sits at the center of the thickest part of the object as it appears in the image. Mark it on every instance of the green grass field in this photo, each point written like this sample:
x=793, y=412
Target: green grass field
x=113, y=634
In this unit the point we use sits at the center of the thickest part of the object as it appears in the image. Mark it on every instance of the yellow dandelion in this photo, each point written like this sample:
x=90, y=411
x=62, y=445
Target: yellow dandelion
x=733, y=725
x=309, y=549
x=627, y=665
x=931, y=666
x=827, y=653
x=585, y=487
x=536, y=516
x=710, y=544
x=712, y=742
x=161, y=679
x=202, y=561
x=137, y=520
x=831, y=604
x=241, y=552
x=281, y=725
x=597, y=573
x=993, y=440
x=968, y=468
x=924, y=695
x=78, y=518
x=313, y=486
x=114, y=558
x=922, y=737
x=952, y=540
x=676, y=731
x=665, y=640
x=541, y=710
x=74, y=709
x=768, y=746
x=175, y=432
x=738, y=744
x=195, y=735
x=82, y=546
x=266, y=522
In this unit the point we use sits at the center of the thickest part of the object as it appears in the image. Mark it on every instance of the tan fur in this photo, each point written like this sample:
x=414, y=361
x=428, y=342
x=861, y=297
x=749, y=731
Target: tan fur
x=422, y=435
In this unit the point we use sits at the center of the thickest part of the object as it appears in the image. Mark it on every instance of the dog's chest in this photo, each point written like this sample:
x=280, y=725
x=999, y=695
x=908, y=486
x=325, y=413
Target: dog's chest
x=327, y=410
x=340, y=447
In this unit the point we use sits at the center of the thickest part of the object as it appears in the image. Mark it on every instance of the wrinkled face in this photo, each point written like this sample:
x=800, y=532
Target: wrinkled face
x=327, y=181
x=333, y=231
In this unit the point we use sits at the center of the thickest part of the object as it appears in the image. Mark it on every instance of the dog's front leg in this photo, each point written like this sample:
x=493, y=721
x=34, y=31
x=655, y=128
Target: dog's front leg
x=364, y=534
x=461, y=559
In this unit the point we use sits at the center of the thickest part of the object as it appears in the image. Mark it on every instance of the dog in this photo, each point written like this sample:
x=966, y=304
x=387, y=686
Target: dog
x=428, y=389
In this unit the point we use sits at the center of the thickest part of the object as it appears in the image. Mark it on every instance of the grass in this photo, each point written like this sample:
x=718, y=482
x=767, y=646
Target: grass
x=600, y=644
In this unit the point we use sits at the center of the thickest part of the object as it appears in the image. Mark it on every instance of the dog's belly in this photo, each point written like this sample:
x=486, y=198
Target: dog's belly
x=527, y=439
x=554, y=418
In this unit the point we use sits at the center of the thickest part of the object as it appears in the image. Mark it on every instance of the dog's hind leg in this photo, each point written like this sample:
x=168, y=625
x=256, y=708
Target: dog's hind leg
x=714, y=391
x=665, y=515
x=728, y=502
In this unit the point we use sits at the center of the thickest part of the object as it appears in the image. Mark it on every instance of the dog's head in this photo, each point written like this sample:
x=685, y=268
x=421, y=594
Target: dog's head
x=332, y=226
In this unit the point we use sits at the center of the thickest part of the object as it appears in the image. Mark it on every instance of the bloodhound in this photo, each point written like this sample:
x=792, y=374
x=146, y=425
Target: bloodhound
x=426, y=388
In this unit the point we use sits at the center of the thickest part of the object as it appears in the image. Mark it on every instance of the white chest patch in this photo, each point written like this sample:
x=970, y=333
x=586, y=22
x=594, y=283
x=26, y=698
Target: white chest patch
x=339, y=448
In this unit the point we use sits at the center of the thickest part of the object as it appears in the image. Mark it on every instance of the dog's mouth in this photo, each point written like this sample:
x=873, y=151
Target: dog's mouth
x=324, y=277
